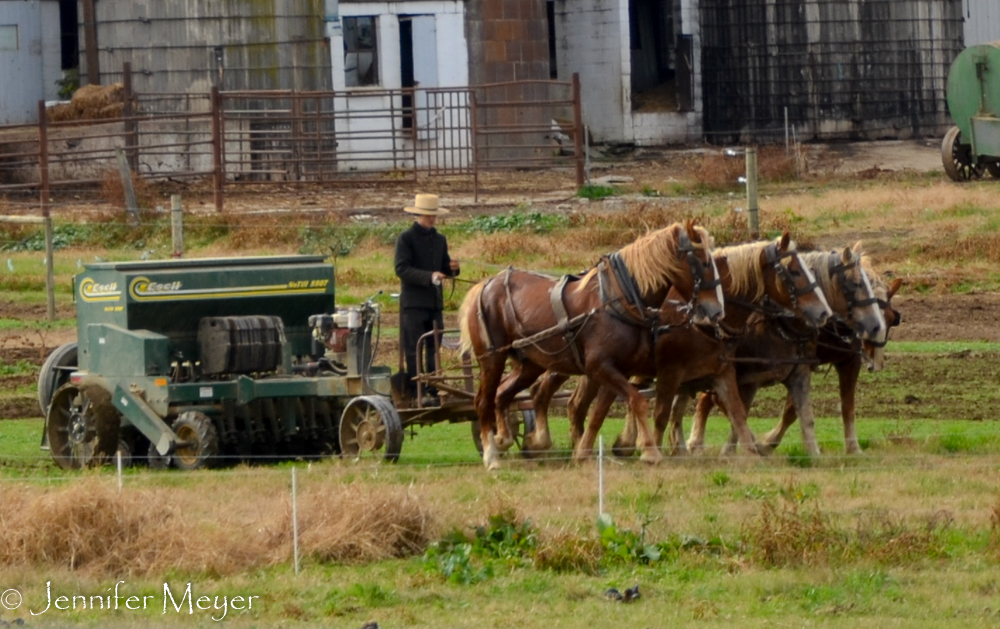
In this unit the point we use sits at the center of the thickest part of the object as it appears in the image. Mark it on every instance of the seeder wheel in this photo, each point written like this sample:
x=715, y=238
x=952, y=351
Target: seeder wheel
x=200, y=441
x=82, y=426
x=957, y=158
x=369, y=425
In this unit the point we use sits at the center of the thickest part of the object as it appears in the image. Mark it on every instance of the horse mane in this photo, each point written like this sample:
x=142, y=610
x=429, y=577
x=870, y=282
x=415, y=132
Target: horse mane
x=878, y=282
x=819, y=263
x=745, y=271
x=653, y=260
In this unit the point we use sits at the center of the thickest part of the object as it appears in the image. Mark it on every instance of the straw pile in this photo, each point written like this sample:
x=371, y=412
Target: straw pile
x=88, y=526
x=91, y=102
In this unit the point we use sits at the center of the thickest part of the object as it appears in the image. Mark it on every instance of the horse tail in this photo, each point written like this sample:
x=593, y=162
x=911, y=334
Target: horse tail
x=467, y=313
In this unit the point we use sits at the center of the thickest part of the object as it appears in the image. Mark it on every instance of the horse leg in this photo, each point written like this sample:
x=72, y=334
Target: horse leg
x=624, y=445
x=520, y=378
x=848, y=372
x=747, y=393
x=599, y=409
x=540, y=438
x=773, y=438
x=677, y=445
x=798, y=384
x=728, y=394
x=582, y=399
x=490, y=373
x=667, y=384
x=702, y=409
x=637, y=405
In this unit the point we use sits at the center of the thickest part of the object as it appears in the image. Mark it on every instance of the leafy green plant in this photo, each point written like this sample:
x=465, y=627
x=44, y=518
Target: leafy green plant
x=536, y=222
x=624, y=545
x=502, y=542
x=593, y=192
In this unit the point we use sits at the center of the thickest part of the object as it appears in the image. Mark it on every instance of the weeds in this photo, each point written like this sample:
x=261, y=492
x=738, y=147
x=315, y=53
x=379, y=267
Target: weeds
x=595, y=193
x=534, y=222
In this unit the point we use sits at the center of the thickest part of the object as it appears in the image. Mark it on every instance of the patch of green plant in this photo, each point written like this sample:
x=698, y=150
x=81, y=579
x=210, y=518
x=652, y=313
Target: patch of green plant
x=503, y=541
x=624, y=545
x=19, y=368
x=535, y=222
x=69, y=83
x=649, y=191
x=594, y=193
x=340, y=240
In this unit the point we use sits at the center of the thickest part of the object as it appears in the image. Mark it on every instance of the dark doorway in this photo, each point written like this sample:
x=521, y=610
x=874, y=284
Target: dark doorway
x=406, y=68
x=550, y=16
x=69, y=31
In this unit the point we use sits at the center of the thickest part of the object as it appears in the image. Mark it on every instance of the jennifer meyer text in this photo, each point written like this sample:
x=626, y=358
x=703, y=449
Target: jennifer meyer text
x=118, y=599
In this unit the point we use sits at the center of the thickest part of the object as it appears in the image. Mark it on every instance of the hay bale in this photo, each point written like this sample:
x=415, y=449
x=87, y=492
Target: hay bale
x=62, y=112
x=96, y=102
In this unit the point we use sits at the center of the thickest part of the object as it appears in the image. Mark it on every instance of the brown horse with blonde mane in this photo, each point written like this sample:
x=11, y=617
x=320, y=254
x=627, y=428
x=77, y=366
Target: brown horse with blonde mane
x=857, y=336
x=770, y=355
x=761, y=276
x=600, y=324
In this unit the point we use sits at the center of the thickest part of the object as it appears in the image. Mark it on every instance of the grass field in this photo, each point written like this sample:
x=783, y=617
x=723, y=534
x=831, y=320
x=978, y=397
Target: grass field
x=906, y=534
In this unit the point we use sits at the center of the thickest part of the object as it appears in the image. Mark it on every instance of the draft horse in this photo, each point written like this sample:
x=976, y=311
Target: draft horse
x=770, y=355
x=598, y=324
x=756, y=277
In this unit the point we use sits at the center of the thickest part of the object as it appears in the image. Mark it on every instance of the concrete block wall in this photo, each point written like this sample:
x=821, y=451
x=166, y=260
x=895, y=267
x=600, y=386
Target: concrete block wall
x=508, y=41
x=592, y=40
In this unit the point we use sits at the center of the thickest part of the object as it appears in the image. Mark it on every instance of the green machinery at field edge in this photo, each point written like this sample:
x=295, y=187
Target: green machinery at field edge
x=972, y=147
x=189, y=361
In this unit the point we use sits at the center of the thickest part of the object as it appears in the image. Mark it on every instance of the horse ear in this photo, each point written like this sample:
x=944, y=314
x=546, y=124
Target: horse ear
x=847, y=256
x=786, y=240
x=858, y=249
x=894, y=287
x=691, y=232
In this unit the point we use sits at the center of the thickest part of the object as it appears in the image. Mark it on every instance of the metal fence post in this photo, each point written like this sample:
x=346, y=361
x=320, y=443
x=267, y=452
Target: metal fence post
x=578, y=131
x=128, y=114
x=751, y=159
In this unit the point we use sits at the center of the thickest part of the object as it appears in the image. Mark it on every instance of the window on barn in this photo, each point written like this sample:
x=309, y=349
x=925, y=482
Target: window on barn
x=8, y=37
x=360, y=51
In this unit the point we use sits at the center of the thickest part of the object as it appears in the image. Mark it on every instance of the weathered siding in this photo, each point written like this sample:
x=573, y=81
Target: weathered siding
x=843, y=68
x=29, y=58
x=172, y=45
x=982, y=21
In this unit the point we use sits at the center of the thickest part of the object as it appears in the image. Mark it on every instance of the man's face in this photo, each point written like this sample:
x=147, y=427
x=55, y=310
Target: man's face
x=426, y=221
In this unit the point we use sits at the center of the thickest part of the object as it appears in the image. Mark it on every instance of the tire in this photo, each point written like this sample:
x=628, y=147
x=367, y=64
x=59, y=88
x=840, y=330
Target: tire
x=198, y=432
x=82, y=426
x=53, y=374
x=957, y=158
x=370, y=427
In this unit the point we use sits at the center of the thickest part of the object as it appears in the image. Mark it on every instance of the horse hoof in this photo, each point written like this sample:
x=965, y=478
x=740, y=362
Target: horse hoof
x=622, y=450
x=652, y=457
x=695, y=448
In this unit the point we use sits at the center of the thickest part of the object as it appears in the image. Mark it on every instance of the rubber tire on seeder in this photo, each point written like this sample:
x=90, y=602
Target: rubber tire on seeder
x=53, y=374
x=82, y=426
x=195, y=427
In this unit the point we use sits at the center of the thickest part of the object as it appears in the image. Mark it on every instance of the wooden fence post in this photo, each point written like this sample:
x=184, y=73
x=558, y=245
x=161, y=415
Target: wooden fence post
x=43, y=198
x=177, y=225
x=578, y=131
x=218, y=177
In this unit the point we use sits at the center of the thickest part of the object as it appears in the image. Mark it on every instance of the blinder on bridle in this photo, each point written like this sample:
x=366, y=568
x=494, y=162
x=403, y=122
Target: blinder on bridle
x=697, y=267
x=775, y=260
x=848, y=287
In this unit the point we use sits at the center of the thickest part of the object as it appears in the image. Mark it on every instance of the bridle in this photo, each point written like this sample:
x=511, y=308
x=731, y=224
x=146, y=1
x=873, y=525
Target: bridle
x=775, y=259
x=697, y=268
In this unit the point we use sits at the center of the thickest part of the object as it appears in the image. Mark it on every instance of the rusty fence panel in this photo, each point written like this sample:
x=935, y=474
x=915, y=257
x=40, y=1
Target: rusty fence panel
x=272, y=137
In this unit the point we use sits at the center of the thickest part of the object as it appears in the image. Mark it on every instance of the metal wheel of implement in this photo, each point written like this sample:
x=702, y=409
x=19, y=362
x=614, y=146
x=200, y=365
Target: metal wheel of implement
x=53, y=374
x=369, y=425
x=993, y=168
x=197, y=441
x=82, y=426
x=157, y=461
x=521, y=427
x=957, y=158
x=125, y=450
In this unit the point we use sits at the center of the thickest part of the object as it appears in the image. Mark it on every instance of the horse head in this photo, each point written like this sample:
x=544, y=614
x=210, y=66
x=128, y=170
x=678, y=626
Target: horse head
x=856, y=298
x=873, y=349
x=706, y=287
x=791, y=284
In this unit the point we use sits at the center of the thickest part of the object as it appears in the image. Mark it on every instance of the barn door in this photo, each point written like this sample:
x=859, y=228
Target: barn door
x=425, y=72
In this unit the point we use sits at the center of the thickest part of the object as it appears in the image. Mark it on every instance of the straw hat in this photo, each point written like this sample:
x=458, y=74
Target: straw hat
x=426, y=204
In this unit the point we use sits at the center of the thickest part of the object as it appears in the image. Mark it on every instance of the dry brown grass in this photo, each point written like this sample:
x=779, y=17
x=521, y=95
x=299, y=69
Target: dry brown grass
x=113, y=190
x=89, y=527
x=716, y=171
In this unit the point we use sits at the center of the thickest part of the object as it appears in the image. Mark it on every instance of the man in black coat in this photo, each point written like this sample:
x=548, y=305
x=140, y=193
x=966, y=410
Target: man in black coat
x=422, y=263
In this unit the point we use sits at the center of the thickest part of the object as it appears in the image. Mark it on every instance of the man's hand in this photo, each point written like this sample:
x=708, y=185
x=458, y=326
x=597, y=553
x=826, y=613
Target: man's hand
x=453, y=264
x=437, y=277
